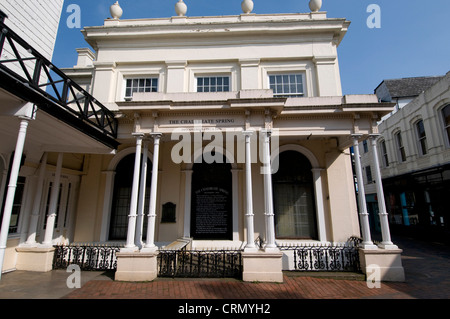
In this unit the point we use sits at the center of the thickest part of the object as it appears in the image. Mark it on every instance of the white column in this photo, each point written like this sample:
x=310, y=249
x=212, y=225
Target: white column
x=268, y=196
x=187, y=203
x=385, y=232
x=364, y=216
x=53, y=205
x=319, y=203
x=249, y=193
x=142, y=191
x=12, y=189
x=34, y=218
x=130, y=246
x=153, y=193
x=235, y=202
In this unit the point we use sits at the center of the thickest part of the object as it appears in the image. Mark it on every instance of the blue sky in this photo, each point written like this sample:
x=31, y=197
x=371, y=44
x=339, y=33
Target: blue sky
x=413, y=40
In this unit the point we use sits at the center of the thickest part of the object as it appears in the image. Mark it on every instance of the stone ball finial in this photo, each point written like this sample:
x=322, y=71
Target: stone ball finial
x=116, y=11
x=315, y=5
x=180, y=8
x=247, y=6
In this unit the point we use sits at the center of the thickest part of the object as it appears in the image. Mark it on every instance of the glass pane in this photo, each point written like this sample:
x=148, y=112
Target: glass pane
x=129, y=83
x=446, y=114
x=135, y=83
x=271, y=80
x=226, y=81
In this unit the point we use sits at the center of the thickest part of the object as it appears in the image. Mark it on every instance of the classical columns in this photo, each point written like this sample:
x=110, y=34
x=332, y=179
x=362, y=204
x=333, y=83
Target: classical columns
x=268, y=196
x=385, y=232
x=130, y=245
x=12, y=188
x=31, y=240
x=249, y=193
x=187, y=203
x=53, y=205
x=364, y=215
x=142, y=191
x=319, y=203
x=153, y=192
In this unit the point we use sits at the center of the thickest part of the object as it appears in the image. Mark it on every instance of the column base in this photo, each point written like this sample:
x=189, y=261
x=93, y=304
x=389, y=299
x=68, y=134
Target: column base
x=262, y=266
x=38, y=259
x=136, y=266
x=387, y=261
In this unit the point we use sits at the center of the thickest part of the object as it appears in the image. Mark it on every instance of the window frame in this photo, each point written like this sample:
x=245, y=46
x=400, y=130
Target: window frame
x=289, y=75
x=401, y=152
x=369, y=176
x=210, y=77
x=445, y=126
x=384, y=153
x=422, y=144
x=150, y=78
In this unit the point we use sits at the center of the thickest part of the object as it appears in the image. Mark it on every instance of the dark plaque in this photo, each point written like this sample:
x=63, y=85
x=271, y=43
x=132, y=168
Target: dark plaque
x=211, y=211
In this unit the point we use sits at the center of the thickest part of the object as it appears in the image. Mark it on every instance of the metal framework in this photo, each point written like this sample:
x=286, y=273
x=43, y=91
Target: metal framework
x=200, y=263
x=22, y=74
x=341, y=257
x=87, y=256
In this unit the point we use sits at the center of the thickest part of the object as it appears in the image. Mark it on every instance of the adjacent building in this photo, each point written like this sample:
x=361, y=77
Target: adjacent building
x=414, y=153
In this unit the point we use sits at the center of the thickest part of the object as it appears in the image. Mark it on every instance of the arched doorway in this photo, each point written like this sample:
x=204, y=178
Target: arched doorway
x=293, y=197
x=212, y=201
x=120, y=209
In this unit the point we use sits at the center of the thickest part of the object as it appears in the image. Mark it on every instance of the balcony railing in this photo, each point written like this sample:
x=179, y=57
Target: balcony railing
x=29, y=75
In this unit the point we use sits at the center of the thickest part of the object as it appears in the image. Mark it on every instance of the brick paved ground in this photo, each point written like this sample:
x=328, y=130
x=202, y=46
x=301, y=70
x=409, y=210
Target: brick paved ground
x=426, y=266
x=292, y=288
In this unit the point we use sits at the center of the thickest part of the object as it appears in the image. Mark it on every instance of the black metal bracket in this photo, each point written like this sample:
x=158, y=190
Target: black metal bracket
x=59, y=95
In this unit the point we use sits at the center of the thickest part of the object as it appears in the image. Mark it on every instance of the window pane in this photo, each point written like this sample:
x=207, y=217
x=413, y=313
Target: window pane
x=213, y=84
x=129, y=83
x=286, y=85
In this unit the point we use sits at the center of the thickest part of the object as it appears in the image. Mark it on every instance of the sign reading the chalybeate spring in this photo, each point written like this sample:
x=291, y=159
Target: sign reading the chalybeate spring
x=217, y=121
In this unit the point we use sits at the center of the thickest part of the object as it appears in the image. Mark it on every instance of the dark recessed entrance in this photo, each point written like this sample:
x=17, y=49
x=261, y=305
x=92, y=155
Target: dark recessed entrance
x=211, y=210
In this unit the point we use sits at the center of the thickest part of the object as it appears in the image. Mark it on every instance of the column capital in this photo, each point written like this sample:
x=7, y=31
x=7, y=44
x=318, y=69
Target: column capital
x=138, y=134
x=248, y=132
x=356, y=136
x=156, y=135
x=374, y=136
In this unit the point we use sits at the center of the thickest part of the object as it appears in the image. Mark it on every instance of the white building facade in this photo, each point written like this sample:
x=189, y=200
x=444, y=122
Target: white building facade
x=245, y=135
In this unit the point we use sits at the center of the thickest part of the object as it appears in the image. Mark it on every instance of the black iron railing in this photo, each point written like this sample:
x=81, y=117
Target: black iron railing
x=37, y=80
x=200, y=263
x=325, y=256
x=87, y=256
